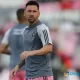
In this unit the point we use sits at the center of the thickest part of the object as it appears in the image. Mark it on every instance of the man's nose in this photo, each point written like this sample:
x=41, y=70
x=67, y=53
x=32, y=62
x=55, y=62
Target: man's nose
x=31, y=13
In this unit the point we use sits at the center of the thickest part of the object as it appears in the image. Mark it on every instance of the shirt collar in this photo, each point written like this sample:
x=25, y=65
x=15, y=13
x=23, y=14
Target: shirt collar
x=37, y=23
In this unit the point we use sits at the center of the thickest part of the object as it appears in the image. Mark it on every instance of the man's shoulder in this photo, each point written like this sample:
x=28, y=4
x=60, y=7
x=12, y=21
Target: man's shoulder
x=18, y=25
x=42, y=26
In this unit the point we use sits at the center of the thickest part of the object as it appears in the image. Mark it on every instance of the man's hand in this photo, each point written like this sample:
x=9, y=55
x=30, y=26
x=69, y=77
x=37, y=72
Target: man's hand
x=25, y=54
x=14, y=71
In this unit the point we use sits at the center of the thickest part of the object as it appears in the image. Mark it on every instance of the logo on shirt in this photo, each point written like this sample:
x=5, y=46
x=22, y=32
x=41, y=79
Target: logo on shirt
x=17, y=31
x=33, y=35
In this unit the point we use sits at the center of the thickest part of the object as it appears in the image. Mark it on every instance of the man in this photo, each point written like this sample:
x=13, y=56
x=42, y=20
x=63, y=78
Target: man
x=37, y=45
x=14, y=40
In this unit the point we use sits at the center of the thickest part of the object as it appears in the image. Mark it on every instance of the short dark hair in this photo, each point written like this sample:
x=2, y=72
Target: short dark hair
x=20, y=13
x=33, y=3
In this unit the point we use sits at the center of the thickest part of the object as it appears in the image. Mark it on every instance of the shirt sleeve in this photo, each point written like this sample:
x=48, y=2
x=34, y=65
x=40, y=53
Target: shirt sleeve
x=5, y=38
x=44, y=34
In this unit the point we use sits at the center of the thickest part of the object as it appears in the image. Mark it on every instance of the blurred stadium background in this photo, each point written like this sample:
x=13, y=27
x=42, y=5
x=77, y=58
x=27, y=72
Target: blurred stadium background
x=63, y=19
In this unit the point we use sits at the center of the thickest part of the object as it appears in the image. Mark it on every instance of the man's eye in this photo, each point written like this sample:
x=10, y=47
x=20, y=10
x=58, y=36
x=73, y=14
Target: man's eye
x=34, y=11
x=29, y=11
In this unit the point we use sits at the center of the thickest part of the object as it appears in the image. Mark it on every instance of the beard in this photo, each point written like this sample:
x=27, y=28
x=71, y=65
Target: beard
x=31, y=20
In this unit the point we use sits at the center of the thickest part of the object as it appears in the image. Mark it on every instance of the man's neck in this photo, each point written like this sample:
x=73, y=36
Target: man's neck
x=24, y=22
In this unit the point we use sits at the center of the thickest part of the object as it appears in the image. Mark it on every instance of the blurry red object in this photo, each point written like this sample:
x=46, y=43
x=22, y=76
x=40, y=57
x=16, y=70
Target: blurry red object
x=66, y=5
x=66, y=60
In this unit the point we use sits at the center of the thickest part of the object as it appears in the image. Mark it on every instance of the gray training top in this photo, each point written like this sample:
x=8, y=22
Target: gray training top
x=14, y=38
x=35, y=37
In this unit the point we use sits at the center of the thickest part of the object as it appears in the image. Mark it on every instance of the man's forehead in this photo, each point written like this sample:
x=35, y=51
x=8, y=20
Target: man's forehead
x=31, y=7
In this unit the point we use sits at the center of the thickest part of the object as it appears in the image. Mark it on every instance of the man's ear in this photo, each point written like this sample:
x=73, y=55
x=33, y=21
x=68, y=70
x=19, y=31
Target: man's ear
x=25, y=13
x=39, y=14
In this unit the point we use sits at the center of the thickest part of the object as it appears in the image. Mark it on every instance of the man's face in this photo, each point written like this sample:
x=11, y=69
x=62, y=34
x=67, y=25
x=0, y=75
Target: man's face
x=32, y=13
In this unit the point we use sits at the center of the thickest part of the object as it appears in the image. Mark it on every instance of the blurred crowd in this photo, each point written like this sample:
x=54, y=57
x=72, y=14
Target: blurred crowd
x=63, y=19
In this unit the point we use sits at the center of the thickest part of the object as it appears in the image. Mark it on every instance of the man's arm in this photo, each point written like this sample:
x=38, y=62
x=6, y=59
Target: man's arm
x=44, y=50
x=4, y=43
x=22, y=63
x=4, y=49
x=44, y=35
x=17, y=67
x=7, y=52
